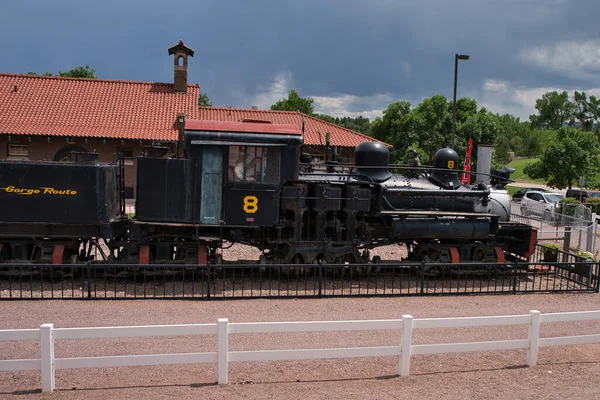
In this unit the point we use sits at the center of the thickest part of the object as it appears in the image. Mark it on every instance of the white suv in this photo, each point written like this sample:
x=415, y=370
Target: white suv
x=540, y=203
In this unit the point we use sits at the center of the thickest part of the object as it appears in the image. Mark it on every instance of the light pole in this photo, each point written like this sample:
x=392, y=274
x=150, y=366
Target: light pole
x=456, y=58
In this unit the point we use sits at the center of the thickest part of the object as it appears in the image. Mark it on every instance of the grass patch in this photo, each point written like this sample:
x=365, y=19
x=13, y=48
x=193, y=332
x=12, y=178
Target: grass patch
x=519, y=166
x=512, y=189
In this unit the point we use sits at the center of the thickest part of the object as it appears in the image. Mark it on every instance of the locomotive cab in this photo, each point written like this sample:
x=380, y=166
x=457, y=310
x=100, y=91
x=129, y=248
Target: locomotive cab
x=242, y=169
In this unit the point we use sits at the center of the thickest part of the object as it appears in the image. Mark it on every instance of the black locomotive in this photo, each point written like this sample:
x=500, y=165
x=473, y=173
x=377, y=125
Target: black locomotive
x=244, y=182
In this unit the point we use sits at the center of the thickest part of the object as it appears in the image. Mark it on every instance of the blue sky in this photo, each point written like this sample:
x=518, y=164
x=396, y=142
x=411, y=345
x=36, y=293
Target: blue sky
x=353, y=57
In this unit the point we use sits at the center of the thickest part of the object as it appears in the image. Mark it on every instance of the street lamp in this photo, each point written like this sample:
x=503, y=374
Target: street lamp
x=456, y=58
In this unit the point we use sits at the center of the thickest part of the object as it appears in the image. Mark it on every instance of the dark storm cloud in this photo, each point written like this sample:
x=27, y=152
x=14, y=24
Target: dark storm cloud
x=371, y=52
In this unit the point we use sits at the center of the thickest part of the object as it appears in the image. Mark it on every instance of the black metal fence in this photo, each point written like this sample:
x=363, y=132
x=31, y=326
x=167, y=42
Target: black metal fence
x=548, y=271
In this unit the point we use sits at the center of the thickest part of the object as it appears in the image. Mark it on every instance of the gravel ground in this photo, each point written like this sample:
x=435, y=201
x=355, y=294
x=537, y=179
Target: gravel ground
x=562, y=372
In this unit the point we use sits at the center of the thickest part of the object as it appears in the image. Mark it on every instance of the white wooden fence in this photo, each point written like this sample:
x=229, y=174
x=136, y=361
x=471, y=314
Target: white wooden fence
x=47, y=334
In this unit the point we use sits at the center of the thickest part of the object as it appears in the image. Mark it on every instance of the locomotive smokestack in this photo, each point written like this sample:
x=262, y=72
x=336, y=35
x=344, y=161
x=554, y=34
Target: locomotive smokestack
x=484, y=163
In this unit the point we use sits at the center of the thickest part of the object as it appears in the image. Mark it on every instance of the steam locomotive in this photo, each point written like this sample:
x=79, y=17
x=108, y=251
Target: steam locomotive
x=248, y=182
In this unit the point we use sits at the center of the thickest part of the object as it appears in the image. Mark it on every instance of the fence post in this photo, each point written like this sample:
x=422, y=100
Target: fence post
x=407, y=324
x=534, y=338
x=47, y=356
x=590, y=238
x=321, y=279
x=223, y=353
x=212, y=272
x=422, y=277
x=567, y=243
x=88, y=268
x=515, y=277
x=592, y=232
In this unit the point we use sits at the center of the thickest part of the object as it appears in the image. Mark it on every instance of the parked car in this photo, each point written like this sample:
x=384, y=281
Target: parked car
x=582, y=194
x=541, y=203
x=518, y=195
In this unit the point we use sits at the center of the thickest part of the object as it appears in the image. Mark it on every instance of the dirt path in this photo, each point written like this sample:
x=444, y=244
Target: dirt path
x=563, y=372
x=537, y=185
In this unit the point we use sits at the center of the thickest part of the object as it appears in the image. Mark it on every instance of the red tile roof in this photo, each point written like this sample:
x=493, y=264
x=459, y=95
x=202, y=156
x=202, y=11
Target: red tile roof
x=55, y=106
x=36, y=105
x=255, y=127
x=314, y=128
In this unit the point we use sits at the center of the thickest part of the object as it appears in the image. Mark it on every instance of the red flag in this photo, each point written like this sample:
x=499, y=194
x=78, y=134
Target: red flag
x=466, y=176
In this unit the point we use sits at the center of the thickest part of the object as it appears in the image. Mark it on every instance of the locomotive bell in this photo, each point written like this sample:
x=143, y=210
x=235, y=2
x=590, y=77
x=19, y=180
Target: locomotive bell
x=372, y=159
x=445, y=173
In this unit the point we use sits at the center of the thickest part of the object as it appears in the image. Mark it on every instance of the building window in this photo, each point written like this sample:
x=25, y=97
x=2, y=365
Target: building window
x=127, y=154
x=66, y=153
x=18, y=150
x=254, y=164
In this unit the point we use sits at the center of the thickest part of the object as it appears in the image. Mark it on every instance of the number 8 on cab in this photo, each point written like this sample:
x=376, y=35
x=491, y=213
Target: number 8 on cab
x=250, y=204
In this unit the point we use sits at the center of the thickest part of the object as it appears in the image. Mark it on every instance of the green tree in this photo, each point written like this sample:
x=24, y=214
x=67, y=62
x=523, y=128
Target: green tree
x=293, y=102
x=326, y=118
x=395, y=126
x=572, y=153
x=358, y=124
x=500, y=154
x=482, y=126
x=427, y=127
x=518, y=137
x=588, y=110
x=36, y=74
x=79, y=72
x=554, y=110
x=432, y=124
x=203, y=100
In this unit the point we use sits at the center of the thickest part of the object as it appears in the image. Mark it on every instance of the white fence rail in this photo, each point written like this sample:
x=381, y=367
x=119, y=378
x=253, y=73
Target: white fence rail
x=48, y=363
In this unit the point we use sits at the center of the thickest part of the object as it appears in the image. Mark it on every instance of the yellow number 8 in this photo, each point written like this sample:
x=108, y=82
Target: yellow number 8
x=450, y=164
x=250, y=204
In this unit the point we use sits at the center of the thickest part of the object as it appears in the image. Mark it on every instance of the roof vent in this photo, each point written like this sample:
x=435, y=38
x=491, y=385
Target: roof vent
x=258, y=121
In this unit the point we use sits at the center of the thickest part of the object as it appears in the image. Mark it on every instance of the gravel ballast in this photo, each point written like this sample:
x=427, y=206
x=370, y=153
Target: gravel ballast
x=562, y=372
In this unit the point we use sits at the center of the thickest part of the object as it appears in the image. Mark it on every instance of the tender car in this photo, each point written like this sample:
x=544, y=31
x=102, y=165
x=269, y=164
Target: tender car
x=518, y=195
x=541, y=203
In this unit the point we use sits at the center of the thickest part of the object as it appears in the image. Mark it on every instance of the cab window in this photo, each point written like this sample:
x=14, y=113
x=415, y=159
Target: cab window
x=254, y=164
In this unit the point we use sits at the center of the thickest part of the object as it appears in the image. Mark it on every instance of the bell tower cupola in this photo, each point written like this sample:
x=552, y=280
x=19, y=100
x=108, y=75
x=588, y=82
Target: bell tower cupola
x=180, y=66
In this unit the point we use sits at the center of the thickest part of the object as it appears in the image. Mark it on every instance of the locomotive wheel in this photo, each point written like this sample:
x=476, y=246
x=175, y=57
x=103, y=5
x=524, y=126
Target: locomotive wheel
x=478, y=254
x=344, y=263
x=218, y=272
x=4, y=253
x=5, y=257
x=376, y=265
x=296, y=272
x=262, y=261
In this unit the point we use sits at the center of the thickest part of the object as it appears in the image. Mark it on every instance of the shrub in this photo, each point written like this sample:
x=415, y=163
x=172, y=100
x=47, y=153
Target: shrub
x=594, y=204
x=586, y=255
x=567, y=210
x=550, y=251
